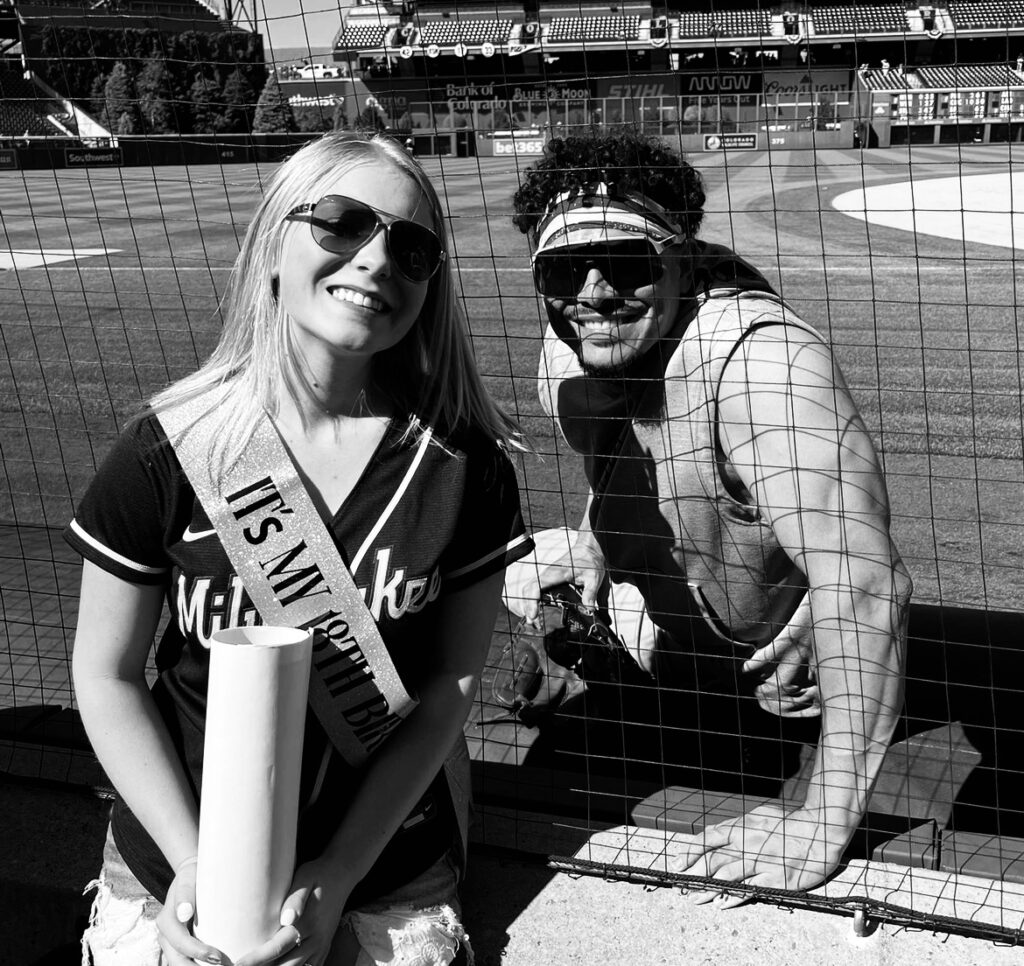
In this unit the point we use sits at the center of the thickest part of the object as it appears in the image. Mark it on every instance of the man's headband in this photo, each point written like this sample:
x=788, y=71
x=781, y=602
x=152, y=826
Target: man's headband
x=600, y=213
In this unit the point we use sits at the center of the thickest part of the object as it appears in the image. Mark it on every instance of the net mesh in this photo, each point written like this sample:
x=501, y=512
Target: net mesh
x=880, y=201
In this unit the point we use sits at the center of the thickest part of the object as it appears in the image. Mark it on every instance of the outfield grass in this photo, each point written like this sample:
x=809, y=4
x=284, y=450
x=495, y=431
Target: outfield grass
x=926, y=329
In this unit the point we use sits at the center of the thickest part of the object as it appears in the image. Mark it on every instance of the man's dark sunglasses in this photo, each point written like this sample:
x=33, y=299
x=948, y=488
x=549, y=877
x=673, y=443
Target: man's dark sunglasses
x=625, y=265
x=343, y=225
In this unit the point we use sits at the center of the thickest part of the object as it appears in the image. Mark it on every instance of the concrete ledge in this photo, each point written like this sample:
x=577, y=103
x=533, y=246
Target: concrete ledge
x=961, y=904
x=521, y=915
x=519, y=912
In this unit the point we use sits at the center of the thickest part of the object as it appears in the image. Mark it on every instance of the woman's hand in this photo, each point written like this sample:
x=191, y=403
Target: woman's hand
x=179, y=946
x=309, y=919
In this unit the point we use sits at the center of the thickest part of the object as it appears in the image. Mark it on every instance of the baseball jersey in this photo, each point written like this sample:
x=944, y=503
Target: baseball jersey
x=425, y=531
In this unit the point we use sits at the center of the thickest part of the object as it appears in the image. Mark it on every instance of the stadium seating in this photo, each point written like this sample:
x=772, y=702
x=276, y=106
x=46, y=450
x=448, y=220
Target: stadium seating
x=447, y=33
x=964, y=77
x=741, y=23
x=362, y=36
x=472, y=26
x=860, y=19
x=987, y=14
x=594, y=29
x=197, y=10
x=20, y=115
x=969, y=76
x=724, y=23
x=694, y=24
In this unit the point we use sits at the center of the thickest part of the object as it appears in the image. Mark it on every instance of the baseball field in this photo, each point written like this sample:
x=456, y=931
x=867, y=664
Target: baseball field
x=110, y=281
x=114, y=277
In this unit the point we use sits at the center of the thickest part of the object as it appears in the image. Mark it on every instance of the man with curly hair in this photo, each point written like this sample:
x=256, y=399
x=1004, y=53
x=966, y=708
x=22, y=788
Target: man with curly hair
x=736, y=500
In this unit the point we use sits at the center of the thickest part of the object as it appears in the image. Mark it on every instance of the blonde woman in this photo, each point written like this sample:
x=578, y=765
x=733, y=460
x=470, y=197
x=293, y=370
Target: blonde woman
x=344, y=345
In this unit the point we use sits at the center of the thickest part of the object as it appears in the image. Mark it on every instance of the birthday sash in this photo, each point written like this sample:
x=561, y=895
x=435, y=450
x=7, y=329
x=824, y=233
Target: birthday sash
x=291, y=569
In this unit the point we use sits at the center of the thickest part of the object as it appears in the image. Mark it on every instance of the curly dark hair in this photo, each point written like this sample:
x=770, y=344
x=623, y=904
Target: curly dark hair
x=631, y=160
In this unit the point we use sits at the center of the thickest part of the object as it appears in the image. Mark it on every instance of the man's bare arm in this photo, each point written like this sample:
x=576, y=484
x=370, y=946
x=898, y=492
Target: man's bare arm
x=792, y=431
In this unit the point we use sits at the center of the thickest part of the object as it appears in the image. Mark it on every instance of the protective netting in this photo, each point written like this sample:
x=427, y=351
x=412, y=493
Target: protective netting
x=866, y=165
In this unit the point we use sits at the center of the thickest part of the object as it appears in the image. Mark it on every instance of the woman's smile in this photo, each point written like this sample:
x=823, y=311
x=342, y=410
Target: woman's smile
x=355, y=297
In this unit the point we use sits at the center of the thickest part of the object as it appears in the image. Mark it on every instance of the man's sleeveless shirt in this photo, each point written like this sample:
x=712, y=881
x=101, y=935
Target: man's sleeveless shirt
x=670, y=514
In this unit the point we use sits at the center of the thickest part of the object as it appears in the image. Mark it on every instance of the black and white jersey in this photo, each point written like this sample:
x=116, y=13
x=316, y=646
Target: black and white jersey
x=423, y=520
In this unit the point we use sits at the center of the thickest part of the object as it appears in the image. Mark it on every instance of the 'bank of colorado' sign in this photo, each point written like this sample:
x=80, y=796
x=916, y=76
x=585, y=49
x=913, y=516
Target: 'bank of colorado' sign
x=463, y=97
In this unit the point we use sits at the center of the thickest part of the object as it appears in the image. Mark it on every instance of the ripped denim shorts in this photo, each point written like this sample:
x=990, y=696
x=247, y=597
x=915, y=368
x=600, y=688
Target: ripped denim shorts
x=408, y=927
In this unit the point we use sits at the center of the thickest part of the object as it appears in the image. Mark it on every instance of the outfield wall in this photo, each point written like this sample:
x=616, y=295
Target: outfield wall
x=155, y=151
x=172, y=149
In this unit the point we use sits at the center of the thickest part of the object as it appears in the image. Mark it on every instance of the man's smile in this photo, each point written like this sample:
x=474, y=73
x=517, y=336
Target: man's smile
x=605, y=320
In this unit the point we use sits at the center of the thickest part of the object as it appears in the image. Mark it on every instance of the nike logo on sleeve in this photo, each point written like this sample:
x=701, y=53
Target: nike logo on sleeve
x=190, y=535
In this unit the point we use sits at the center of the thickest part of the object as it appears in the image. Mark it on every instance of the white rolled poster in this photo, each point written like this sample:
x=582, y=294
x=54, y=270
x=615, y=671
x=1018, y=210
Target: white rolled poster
x=255, y=720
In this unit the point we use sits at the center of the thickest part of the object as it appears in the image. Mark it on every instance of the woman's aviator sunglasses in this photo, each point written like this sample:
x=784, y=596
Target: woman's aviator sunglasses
x=343, y=225
x=625, y=265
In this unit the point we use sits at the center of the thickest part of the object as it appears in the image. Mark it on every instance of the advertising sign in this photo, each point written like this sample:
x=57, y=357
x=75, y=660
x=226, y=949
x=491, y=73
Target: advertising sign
x=8, y=159
x=720, y=83
x=730, y=142
x=687, y=83
x=92, y=157
x=529, y=141
x=802, y=84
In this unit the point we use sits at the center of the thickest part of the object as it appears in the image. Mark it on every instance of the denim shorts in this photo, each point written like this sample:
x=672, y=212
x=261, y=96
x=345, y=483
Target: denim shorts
x=416, y=925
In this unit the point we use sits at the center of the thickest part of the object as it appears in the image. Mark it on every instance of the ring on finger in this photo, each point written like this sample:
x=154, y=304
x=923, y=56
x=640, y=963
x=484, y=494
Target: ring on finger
x=298, y=937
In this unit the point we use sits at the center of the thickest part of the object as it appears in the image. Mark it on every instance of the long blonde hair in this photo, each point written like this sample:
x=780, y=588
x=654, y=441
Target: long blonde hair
x=431, y=375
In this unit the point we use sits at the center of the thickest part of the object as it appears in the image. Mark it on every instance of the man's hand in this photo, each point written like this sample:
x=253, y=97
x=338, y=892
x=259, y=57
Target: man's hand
x=768, y=846
x=582, y=566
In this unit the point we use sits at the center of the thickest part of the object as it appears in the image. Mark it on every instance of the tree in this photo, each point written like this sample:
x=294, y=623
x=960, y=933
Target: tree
x=98, y=97
x=207, y=105
x=154, y=89
x=239, y=103
x=312, y=118
x=273, y=112
x=118, y=97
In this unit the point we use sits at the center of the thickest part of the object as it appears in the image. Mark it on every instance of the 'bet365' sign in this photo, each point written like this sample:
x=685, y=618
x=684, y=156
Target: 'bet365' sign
x=518, y=146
